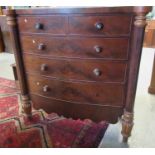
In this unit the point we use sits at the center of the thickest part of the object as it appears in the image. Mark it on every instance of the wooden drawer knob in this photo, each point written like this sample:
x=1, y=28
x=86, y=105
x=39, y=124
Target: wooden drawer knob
x=41, y=46
x=99, y=26
x=43, y=67
x=97, y=72
x=39, y=26
x=46, y=88
x=98, y=49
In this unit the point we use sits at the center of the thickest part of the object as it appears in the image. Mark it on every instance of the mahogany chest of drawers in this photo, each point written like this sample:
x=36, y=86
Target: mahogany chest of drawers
x=79, y=62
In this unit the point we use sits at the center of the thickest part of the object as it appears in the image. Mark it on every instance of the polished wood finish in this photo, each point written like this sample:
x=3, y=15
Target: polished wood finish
x=88, y=10
x=88, y=25
x=78, y=92
x=76, y=69
x=80, y=62
x=57, y=24
x=11, y=21
x=136, y=49
x=76, y=47
x=75, y=110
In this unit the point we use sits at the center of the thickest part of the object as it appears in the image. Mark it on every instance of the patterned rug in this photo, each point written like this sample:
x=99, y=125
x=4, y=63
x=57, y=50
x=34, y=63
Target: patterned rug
x=44, y=130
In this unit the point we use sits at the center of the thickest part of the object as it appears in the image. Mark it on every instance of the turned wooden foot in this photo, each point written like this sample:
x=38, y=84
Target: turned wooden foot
x=127, y=124
x=26, y=106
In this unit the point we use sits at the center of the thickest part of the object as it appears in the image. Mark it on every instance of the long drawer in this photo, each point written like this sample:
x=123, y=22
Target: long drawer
x=77, y=92
x=76, y=47
x=76, y=111
x=76, y=69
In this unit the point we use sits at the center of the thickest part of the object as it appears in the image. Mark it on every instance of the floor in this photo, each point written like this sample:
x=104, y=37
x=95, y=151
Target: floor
x=143, y=134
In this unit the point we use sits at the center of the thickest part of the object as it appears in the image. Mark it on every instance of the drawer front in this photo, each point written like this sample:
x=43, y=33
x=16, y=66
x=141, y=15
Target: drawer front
x=89, y=70
x=84, y=92
x=77, y=111
x=107, y=48
x=51, y=24
x=110, y=25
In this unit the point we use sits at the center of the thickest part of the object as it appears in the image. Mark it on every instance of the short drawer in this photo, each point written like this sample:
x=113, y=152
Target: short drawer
x=42, y=24
x=76, y=69
x=106, y=25
x=84, y=92
x=75, y=47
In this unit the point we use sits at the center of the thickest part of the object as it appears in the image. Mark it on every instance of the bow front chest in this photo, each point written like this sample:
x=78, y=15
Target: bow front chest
x=79, y=62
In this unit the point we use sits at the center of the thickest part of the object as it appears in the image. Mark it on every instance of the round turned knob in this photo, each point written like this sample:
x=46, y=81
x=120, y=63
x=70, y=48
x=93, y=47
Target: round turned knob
x=44, y=67
x=39, y=26
x=41, y=46
x=46, y=88
x=97, y=72
x=99, y=26
x=98, y=49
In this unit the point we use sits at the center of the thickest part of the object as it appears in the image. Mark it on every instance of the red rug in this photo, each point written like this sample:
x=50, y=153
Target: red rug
x=45, y=130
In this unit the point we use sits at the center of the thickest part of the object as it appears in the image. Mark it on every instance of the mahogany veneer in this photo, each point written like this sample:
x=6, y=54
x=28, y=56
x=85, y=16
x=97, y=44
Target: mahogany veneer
x=76, y=69
x=78, y=92
x=86, y=25
x=79, y=62
x=76, y=47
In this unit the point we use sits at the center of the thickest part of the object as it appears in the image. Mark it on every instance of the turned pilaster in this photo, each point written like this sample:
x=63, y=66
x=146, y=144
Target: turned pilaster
x=12, y=22
x=139, y=24
x=136, y=49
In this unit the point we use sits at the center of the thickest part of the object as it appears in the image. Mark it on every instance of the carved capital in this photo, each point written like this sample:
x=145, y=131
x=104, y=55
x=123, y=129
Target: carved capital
x=11, y=17
x=127, y=124
x=11, y=20
x=140, y=12
x=140, y=20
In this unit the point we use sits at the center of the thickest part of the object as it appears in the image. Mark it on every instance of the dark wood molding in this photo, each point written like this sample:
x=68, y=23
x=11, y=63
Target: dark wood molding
x=11, y=21
x=136, y=49
x=85, y=10
x=135, y=57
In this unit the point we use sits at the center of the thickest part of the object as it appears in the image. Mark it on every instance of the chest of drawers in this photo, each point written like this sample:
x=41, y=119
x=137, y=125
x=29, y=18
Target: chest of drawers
x=79, y=62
